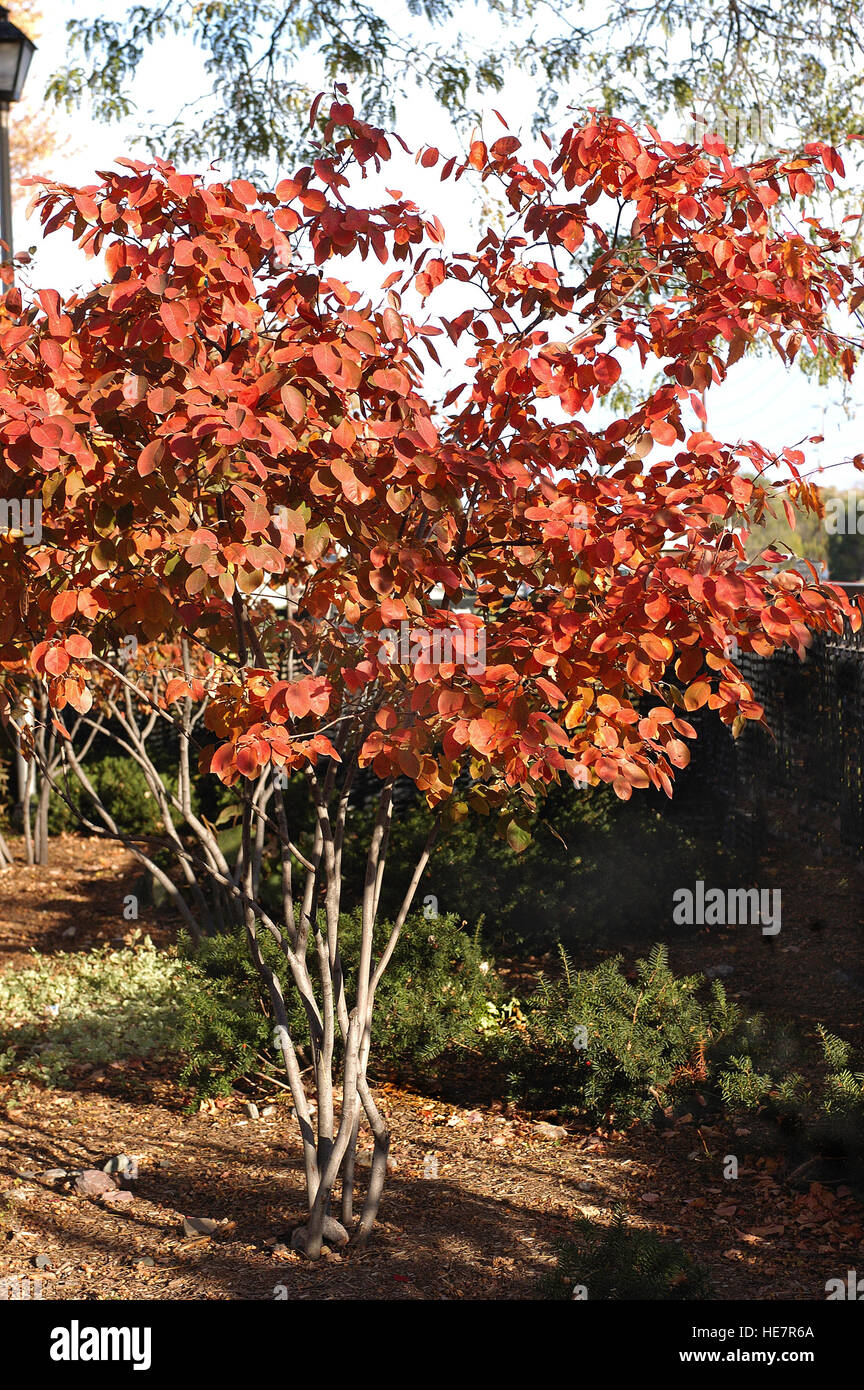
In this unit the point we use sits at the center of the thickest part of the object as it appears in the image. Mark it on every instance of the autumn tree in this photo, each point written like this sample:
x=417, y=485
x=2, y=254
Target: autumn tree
x=241, y=462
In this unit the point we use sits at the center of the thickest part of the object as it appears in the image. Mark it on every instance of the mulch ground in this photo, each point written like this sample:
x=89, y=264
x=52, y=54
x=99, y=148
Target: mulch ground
x=485, y=1227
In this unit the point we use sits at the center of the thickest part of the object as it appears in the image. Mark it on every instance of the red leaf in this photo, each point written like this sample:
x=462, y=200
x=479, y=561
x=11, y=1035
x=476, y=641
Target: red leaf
x=56, y=661
x=64, y=605
x=161, y=400
x=150, y=456
x=478, y=155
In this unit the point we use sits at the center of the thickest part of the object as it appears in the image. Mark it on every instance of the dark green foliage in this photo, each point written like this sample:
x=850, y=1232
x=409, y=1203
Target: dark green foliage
x=596, y=870
x=646, y=1032
x=224, y=1030
x=122, y=788
x=617, y=1262
x=433, y=997
x=824, y=1108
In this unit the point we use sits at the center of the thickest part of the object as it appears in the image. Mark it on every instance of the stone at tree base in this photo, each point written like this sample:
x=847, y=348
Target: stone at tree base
x=364, y=1160
x=118, y=1197
x=92, y=1183
x=334, y=1234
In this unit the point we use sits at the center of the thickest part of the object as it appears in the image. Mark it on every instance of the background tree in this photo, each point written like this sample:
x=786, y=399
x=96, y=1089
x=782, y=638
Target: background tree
x=794, y=530
x=239, y=457
x=801, y=62
x=35, y=139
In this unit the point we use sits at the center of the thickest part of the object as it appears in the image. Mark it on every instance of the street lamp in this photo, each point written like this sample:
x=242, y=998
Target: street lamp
x=16, y=51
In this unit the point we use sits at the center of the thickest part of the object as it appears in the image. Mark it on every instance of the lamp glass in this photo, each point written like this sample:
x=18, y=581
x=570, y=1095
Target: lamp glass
x=10, y=52
x=27, y=51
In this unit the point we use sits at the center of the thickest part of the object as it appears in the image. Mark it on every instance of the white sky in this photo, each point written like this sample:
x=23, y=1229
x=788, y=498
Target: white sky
x=761, y=400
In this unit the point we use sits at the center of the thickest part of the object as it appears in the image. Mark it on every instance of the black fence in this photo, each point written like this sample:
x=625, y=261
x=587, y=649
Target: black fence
x=802, y=781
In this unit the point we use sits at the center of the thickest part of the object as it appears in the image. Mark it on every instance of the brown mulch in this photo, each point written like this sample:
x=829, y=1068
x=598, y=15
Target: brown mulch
x=484, y=1228
x=73, y=903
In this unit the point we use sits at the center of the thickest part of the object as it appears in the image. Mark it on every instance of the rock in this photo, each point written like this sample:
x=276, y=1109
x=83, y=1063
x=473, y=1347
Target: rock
x=118, y=1198
x=69, y=932
x=126, y=1168
x=28, y=1173
x=547, y=1131
x=588, y=1186
x=268, y=1111
x=199, y=1226
x=430, y=1166
x=650, y=1198
x=251, y=1109
x=92, y=1183
x=148, y=1261
x=334, y=1234
x=43, y=1262
x=54, y=1174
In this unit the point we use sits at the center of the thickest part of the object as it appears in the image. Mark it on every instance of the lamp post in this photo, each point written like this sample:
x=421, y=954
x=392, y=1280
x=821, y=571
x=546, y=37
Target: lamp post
x=16, y=51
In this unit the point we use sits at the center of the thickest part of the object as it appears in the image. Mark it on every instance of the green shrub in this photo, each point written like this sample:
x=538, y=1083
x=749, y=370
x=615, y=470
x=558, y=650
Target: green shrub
x=432, y=998
x=617, y=1262
x=644, y=1034
x=828, y=1111
x=122, y=788
x=224, y=1030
